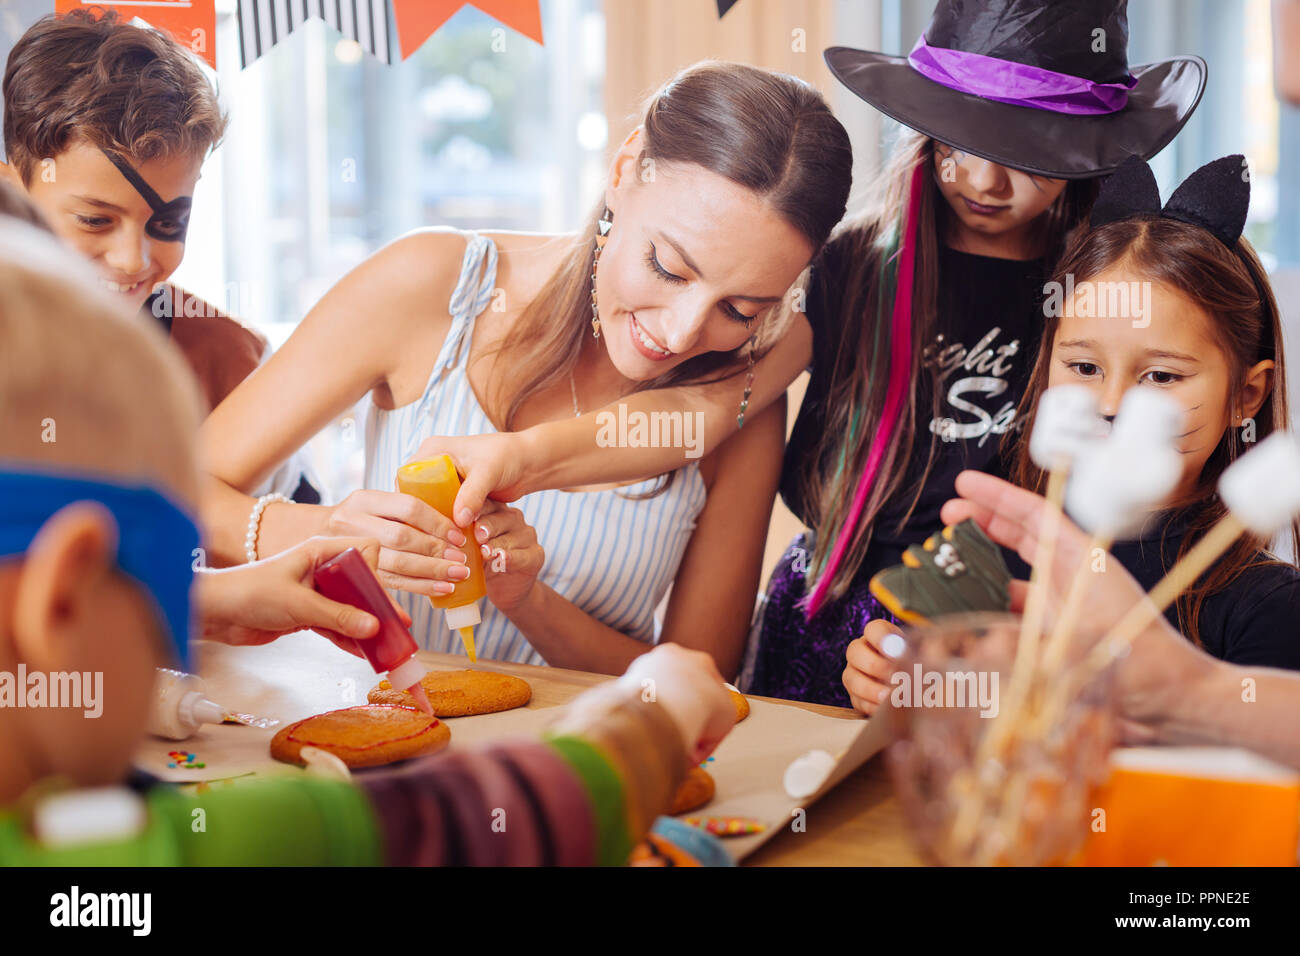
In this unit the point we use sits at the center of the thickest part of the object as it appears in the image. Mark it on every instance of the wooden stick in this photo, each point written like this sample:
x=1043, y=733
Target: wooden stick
x=1031, y=624
x=1060, y=638
x=1181, y=576
x=1025, y=664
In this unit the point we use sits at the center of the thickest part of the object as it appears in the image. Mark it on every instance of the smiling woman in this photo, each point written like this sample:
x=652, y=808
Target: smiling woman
x=711, y=210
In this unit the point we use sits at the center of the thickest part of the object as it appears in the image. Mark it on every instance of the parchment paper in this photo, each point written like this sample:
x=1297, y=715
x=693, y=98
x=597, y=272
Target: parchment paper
x=302, y=675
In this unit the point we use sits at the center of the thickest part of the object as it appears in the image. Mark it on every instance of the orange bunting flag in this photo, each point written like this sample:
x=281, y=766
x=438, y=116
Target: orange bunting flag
x=417, y=20
x=192, y=22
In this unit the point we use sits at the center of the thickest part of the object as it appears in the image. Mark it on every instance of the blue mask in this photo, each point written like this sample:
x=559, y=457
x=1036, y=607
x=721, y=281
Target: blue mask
x=156, y=546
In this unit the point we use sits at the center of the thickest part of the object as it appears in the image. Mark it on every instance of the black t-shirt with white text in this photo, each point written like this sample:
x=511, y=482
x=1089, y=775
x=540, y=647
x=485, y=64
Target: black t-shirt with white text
x=981, y=353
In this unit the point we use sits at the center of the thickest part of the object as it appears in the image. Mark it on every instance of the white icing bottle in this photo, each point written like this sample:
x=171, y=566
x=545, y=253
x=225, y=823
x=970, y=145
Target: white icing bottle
x=179, y=706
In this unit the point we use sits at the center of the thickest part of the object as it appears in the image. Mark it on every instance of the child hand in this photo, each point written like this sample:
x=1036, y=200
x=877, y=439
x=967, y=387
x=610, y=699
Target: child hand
x=870, y=662
x=257, y=603
x=420, y=550
x=512, y=558
x=685, y=682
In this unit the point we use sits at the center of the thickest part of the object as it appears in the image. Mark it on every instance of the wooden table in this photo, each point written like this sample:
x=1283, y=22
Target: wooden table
x=857, y=824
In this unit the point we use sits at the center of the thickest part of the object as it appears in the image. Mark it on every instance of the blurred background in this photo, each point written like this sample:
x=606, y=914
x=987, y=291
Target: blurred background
x=332, y=153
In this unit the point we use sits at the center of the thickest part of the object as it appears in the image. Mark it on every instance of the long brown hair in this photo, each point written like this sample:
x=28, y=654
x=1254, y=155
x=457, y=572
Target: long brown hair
x=769, y=132
x=858, y=381
x=1231, y=287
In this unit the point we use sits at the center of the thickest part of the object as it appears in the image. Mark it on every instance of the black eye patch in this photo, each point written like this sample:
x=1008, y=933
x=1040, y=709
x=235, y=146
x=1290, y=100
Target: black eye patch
x=170, y=220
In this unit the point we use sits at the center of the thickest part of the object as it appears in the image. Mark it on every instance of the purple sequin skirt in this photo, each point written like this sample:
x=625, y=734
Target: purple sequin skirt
x=798, y=659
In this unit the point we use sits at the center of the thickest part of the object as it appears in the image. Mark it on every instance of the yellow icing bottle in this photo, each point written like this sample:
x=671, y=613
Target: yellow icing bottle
x=436, y=483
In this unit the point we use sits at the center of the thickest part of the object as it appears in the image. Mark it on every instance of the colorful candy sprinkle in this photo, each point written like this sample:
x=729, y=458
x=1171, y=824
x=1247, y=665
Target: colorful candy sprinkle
x=727, y=826
x=184, y=760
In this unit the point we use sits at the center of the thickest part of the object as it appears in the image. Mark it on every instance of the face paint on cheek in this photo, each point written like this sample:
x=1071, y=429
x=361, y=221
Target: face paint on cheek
x=170, y=220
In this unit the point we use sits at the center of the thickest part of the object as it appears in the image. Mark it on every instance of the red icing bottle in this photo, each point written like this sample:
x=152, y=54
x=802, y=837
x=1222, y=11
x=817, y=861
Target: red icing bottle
x=347, y=578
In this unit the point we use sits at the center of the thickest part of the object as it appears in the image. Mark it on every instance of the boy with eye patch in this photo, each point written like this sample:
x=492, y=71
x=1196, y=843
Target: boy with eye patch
x=106, y=126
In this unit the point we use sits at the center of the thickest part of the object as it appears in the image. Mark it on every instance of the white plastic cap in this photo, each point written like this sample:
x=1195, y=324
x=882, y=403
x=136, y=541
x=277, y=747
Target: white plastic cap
x=89, y=816
x=467, y=615
x=196, y=709
x=1262, y=487
x=407, y=673
x=807, y=773
x=1147, y=417
x=1064, y=423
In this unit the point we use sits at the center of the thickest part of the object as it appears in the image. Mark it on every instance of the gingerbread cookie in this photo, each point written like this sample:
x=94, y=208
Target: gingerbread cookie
x=956, y=570
x=460, y=693
x=369, y=735
x=696, y=790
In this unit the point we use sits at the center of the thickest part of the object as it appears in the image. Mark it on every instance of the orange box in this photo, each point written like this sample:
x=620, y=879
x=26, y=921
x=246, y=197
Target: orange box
x=1194, y=806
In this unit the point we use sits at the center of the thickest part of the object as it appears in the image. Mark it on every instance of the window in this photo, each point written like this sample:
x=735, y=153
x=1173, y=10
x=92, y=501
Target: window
x=331, y=154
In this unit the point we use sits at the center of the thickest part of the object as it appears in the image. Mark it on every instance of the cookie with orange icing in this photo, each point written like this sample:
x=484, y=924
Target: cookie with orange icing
x=369, y=735
x=460, y=693
x=740, y=701
x=695, y=791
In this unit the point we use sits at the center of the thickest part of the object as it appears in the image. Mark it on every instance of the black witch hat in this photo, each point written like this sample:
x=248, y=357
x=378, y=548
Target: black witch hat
x=1043, y=87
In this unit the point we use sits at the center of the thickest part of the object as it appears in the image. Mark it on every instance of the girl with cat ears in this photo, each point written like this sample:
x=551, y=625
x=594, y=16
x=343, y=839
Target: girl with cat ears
x=1211, y=339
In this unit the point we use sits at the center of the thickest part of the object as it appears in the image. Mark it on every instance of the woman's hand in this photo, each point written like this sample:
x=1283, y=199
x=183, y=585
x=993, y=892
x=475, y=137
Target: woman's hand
x=1160, y=666
x=420, y=550
x=870, y=662
x=490, y=465
x=512, y=558
x=257, y=603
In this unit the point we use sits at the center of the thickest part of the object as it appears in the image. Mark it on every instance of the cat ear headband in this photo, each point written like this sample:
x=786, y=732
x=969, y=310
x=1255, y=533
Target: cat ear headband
x=1215, y=197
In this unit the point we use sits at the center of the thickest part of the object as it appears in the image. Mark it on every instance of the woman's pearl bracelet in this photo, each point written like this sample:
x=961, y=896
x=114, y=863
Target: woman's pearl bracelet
x=255, y=521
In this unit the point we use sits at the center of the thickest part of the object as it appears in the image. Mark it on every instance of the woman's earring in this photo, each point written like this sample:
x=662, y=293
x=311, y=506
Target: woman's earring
x=602, y=235
x=749, y=384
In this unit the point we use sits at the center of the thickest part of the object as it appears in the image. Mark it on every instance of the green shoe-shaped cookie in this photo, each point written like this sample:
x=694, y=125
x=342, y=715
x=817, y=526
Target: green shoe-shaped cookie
x=957, y=570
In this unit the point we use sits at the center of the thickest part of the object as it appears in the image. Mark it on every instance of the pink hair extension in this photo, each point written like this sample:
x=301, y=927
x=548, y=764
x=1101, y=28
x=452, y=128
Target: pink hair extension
x=900, y=367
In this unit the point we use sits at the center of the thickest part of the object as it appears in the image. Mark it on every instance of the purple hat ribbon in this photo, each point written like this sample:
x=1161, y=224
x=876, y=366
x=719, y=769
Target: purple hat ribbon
x=1006, y=81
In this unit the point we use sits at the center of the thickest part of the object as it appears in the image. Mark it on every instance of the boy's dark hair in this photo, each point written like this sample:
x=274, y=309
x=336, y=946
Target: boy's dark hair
x=89, y=76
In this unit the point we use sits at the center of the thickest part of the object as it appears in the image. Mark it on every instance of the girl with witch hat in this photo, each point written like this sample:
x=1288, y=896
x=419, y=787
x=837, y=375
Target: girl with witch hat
x=922, y=315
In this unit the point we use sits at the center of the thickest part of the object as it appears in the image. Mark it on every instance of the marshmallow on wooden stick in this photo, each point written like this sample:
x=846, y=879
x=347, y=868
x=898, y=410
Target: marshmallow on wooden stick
x=1261, y=490
x=1127, y=476
x=1065, y=424
x=1262, y=487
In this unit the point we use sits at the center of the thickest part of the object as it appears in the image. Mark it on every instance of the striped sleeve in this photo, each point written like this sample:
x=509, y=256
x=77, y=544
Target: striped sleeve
x=575, y=799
